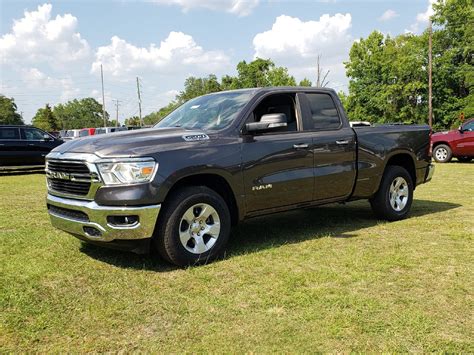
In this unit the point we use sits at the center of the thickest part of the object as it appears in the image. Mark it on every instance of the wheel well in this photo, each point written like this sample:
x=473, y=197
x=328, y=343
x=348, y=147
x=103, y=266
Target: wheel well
x=405, y=161
x=216, y=183
x=435, y=144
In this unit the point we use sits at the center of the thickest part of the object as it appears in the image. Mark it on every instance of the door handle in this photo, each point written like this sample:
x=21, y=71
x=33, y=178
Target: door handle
x=342, y=142
x=300, y=146
x=31, y=144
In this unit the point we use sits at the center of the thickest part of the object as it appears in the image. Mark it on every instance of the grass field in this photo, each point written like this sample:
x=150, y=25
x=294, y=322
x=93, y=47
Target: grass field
x=325, y=279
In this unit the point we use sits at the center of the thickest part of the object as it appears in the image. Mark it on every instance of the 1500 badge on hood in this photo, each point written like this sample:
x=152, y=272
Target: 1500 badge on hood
x=195, y=137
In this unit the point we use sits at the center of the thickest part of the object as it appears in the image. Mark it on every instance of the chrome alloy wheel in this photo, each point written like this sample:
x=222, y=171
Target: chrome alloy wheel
x=441, y=154
x=398, y=193
x=199, y=228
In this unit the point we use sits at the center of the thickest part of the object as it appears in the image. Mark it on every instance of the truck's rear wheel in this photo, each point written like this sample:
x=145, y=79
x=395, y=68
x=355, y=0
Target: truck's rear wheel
x=442, y=153
x=395, y=195
x=194, y=226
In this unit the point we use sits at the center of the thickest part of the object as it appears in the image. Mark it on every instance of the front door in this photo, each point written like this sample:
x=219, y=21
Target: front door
x=36, y=145
x=277, y=166
x=465, y=140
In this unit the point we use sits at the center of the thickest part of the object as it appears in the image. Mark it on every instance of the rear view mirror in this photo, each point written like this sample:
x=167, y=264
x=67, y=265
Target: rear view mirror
x=268, y=122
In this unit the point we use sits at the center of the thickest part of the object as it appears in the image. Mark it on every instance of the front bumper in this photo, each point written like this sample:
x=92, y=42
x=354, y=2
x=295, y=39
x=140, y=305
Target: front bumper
x=90, y=221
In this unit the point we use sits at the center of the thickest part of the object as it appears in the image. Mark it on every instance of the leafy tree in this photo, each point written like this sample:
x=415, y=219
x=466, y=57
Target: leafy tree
x=45, y=119
x=453, y=60
x=305, y=82
x=261, y=73
x=8, y=114
x=155, y=117
x=389, y=79
x=194, y=87
x=132, y=121
x=80, y=113
x=258, y=73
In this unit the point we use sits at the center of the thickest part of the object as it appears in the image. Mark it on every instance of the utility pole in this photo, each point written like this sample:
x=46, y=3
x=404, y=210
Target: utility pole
x=139, y=103
x=430, y=73
x=103, y=96
x=117, y=109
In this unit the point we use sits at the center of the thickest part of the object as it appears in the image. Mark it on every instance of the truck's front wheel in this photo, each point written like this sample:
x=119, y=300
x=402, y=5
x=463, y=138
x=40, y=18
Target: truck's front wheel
x=395, y=195
x=194, y=226
x=442, y=153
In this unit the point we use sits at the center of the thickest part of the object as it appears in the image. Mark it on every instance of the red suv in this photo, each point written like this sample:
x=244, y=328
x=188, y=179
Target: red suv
x=458, y=143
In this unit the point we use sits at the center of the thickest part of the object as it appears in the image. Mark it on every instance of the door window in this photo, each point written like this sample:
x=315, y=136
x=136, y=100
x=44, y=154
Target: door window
x=469, y=126
x=9, y=133
x=32, y=134
x=324, y=115
x=278, y=103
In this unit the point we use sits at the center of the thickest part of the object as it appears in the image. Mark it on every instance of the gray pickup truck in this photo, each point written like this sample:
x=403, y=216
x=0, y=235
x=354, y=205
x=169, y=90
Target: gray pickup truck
x=225, y=157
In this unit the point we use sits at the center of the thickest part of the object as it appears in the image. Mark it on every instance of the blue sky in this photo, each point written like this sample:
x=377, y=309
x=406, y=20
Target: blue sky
x=51, y=51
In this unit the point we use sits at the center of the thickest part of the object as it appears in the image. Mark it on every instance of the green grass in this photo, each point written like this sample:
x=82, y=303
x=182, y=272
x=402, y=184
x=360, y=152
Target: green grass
x=325, y=279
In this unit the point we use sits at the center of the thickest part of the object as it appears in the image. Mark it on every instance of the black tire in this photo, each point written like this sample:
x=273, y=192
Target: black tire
x=172, y=220
x=381, y=202
x=464, y=159
x=442, y=153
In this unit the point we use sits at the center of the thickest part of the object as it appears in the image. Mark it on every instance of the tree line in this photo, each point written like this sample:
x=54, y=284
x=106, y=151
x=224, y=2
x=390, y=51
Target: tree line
x=388, y=80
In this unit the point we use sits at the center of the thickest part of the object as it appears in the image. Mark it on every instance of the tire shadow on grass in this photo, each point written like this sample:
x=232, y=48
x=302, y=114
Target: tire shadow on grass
x=272, y=231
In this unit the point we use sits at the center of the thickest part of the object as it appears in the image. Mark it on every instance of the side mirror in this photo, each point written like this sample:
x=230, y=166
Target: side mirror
x=461, y=130
x=268, y=122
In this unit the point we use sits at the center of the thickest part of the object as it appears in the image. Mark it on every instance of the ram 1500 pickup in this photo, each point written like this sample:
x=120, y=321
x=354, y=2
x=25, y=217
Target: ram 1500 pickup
x=222, y=158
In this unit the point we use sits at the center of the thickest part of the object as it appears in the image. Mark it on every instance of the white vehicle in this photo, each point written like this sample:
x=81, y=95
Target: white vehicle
x=106, y=130
x=71, y=134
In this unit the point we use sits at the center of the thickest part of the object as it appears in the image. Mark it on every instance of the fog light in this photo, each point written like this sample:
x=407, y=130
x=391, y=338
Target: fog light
x=122, y=221
x=92, y=232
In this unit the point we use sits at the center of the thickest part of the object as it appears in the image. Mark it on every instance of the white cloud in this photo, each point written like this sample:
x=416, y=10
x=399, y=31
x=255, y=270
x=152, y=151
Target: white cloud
x=237, y=7
x=291, y=37
x=422, y=18
x=37, y=37
x=35, y=80
x=176, y=53
x=296, y=44
x=388, y=15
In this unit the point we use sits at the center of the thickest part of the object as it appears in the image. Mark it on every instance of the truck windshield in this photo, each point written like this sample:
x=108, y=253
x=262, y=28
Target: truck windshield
x=209, y=112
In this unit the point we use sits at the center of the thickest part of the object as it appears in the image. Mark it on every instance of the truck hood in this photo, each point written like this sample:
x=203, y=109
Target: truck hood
x=134, y=143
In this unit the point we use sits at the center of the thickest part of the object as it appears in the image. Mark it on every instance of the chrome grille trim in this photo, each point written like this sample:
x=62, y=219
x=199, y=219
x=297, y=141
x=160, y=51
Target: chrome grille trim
x=72, y=175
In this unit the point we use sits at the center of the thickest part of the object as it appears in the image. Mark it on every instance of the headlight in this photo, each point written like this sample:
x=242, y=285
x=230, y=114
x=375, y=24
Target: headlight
x=127, y=172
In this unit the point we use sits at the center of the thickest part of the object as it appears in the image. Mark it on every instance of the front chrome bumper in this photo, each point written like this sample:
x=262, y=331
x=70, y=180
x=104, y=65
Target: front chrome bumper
x=89, y=220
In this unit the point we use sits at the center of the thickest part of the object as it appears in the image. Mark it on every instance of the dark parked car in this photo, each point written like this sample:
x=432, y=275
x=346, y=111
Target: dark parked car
x=24, y=147
x=222, y=158
x=458, y=143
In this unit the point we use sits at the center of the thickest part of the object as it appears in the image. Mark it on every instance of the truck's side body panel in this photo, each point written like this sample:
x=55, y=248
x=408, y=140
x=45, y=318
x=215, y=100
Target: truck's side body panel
x=376, y=145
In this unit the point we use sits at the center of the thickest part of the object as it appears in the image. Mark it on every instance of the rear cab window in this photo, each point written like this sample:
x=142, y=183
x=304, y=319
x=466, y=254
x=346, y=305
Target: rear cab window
x=9, y=133
x=322, y=112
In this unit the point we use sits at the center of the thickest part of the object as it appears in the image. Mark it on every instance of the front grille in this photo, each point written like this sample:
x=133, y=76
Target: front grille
x=72, y=178
x=67, y=213
x=69, y=187
x=68, y=167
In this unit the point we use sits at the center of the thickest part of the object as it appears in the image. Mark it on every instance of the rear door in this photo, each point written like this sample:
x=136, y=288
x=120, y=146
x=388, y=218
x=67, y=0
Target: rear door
x=333, y=146
x=277, y=166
